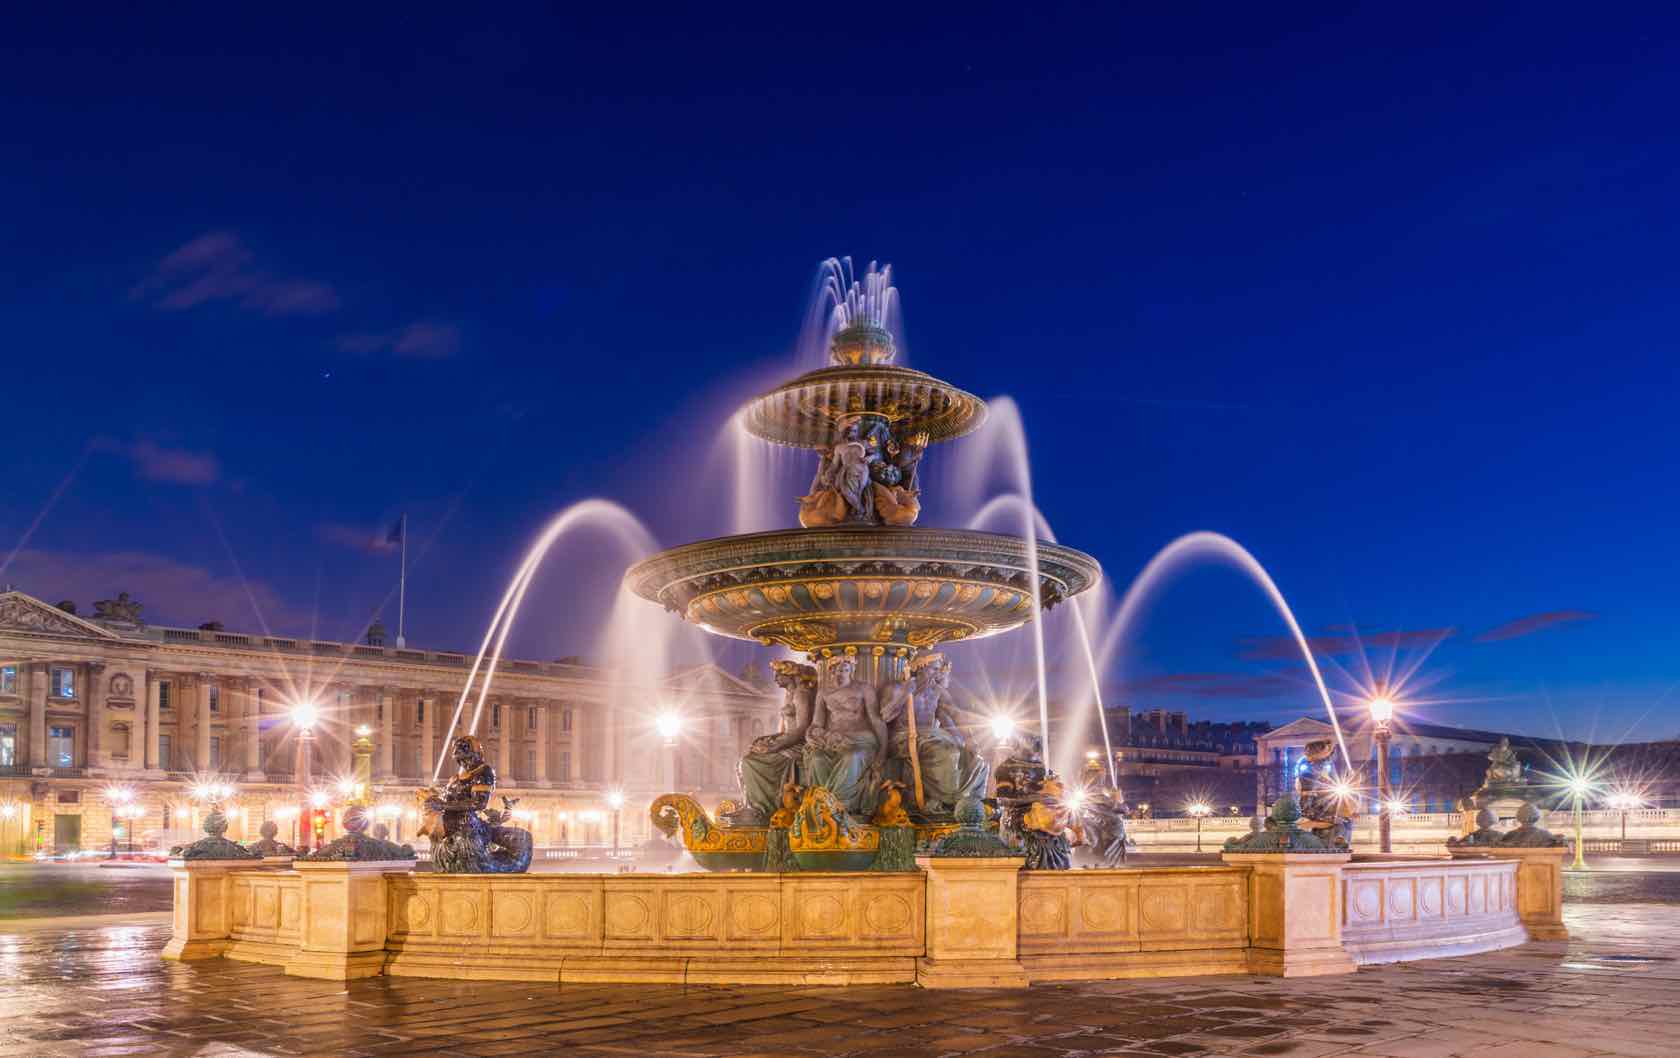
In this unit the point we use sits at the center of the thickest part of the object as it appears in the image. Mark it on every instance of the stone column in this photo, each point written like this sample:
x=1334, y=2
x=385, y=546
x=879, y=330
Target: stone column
x=1295, y=913
x=154, y=691
x=251, y=717
x=543, y=727
x=203, y=725
x=96, y=751
x=504, y=746
x=428, y=741
x=609, y=747
x=385, y=753
x=38, y=673
x=973, y=923
x=140, y=727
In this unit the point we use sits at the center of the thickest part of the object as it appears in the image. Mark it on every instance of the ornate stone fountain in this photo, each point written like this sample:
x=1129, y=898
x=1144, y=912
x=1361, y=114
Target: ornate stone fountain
x=870, y=750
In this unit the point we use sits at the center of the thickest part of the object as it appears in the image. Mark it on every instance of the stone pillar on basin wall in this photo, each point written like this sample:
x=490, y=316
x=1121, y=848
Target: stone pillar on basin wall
x=973, y=927
x=343, y=926
x=203, y=908
x=1294, y=912
x=1539, y=896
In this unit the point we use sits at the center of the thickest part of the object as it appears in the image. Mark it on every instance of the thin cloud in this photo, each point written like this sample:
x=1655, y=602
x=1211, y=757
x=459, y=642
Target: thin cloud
x=158, y=462
x=173, y=592
x=1526, y=626
x=421, y=340
x=1284, y=648
x=217, y=266
x=355, y=537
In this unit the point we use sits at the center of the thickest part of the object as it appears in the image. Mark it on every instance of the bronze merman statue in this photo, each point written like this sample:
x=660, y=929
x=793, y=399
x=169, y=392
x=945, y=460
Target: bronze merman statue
x=1104, y=816
x=846, y=744
x=467, y=836
x=774, y=760
x=1323, y=809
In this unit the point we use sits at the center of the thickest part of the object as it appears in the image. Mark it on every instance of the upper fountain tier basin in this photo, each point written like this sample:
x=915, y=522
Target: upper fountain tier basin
x=809, y=411
x=823, y=590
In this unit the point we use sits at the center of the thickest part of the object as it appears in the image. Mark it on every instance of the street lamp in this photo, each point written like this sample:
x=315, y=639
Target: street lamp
x=1199, y=810
x=1003, y=726
x=1579, y=787
x=1623, y=801
x=669, y=724
x=119, y=797
x=1382, y=715
x=305, y=716
x=615, y=801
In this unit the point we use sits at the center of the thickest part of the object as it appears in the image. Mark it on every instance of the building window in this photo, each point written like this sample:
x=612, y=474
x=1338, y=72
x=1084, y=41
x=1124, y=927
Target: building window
x=495, y=714
x=163, y=695
x=531, y=719
x=64, y=683
x=379, y=709
x=69, y=797
x=420, y=761
x=566, y=719
x=215, y=752
x=8, y=679
x=530, y=764
x=420, y=711
x=215, y=698
x=166, y=748
x=8, y=745
x=565, y=765
x=61, y=747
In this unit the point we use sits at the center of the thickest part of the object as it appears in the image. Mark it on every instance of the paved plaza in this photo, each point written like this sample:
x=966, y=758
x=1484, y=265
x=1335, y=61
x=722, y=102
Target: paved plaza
x=1613, y=990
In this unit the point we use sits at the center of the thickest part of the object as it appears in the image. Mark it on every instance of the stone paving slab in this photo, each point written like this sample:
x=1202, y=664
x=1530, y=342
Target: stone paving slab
x=78, y=990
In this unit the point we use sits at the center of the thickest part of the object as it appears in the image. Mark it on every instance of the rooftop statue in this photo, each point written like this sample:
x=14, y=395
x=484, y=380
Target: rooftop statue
x=845, y=746
x=1504, y=769
x=773, y=761
x=467, y=836
x=121, y=610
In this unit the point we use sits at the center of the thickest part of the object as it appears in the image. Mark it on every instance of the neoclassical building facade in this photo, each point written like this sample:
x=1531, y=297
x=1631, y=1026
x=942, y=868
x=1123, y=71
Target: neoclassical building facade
x=102, y=712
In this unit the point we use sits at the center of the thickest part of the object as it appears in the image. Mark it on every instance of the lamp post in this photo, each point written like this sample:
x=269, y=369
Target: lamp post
x=615, y=801
x=1622, y=801
x=304, y=717
x=1579, y=787
x=120, y=798
x=1382, y=715
x=1200, y=811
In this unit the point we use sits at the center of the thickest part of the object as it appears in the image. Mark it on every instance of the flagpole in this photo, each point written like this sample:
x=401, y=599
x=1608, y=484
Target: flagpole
x=402, y=583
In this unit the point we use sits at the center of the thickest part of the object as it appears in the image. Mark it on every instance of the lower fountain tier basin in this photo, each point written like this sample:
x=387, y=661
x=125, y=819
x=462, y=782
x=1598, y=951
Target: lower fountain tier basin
x=901, y=589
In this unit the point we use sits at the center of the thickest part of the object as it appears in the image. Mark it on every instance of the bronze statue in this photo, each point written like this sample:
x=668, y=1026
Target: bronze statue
x=1104, y=817
x=467, y=836
x=845, y=746
x=1322, y=808
x=774, y=760
x=268, y=846
x=928, y=752
x=866, y=477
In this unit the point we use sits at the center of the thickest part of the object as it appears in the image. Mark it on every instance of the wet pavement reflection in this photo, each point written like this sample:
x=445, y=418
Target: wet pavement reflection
x=104, y=991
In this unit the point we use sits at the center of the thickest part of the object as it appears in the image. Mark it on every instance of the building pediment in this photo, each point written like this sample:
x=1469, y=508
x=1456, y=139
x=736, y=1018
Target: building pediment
x=20, y=613
x=710, y=679
x=1303, y=727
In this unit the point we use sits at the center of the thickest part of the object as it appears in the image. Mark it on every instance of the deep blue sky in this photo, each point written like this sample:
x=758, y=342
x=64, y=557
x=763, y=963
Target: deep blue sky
x=1389, y=296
